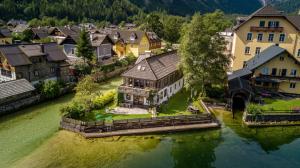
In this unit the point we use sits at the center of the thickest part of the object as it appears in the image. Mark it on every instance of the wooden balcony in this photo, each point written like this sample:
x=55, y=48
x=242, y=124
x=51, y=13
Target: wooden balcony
x=266, y=29
x=135, y=91
x=280, y=78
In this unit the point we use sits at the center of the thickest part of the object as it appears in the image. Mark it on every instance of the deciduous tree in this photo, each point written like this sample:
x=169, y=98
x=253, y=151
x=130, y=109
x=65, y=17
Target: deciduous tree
x=202, y=52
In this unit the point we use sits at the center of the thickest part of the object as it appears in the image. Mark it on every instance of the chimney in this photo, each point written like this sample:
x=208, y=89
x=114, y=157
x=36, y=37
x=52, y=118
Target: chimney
x=42, y=48
x=148, y=54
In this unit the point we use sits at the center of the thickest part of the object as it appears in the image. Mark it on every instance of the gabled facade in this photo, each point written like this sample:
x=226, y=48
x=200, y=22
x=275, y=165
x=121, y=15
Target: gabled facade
x=103, y=47
x=152, y=80
x=264, y=28
x=5, y=37
x=33, y=62
x=128, y=42
x=273, y=69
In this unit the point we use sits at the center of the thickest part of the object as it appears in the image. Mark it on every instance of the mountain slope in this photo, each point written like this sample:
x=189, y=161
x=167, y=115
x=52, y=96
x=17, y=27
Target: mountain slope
x=184, y=7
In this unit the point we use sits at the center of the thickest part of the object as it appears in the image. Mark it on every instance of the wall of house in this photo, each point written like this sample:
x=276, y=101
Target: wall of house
x=144, y=45
x=5, y=40
x=291, y=43
x=170, y=91
x=287, y=63
x=70, y=50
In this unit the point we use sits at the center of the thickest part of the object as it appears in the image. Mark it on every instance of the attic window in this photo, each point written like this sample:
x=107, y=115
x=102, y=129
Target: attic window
x=141, y=68
x=133, y=36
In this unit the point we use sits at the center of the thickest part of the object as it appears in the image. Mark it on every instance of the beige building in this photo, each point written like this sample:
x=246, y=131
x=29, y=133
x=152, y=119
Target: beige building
x=264, y=28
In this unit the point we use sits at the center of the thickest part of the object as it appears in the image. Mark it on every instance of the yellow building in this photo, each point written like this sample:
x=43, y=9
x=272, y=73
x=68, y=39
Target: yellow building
x=128, y=42
x=262, y=29
x=5, y=37
x=274, y=69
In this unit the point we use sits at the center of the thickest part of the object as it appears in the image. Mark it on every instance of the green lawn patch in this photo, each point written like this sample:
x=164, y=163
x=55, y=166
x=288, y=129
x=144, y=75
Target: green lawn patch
x=280, y=105
x=177, y=105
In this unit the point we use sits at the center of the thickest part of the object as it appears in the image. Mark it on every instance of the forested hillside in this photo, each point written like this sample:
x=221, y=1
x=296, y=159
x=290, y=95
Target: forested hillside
x=76, y=10
x=184, y=7
x=120, y=10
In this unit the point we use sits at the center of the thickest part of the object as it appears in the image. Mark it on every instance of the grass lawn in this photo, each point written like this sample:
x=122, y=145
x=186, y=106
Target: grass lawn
x=280, y=105
x=177, y=105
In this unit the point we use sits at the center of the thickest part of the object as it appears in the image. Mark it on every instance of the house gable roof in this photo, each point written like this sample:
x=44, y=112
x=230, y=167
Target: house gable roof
x=154, y=67
x=5, y=33
x=40, y=33
x=127, y=36
x=258, y=60
x=19, y=54
x=15, y=87
x=270, y=11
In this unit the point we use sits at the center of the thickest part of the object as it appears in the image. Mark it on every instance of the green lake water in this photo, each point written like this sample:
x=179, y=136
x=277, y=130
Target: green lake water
x=31, y=139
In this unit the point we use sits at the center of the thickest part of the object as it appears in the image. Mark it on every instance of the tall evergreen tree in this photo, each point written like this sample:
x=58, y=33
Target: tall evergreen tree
x=202, y=52
x=84, y=47
x=153, y=24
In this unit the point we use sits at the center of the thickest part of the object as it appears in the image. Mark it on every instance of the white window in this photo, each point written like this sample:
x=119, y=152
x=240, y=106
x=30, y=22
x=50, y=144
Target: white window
x=292, y=85
x=36, y=73
x=257, y=50
x=72, y=51
x=265, y=71
x=293, y=72
x=260, y=37
x=281, y=37
x=247, y=50
x=271, y=38
x=249, y=36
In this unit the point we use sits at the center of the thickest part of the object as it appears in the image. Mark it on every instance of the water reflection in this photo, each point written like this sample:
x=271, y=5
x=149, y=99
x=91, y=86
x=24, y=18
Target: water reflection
x=269, y=138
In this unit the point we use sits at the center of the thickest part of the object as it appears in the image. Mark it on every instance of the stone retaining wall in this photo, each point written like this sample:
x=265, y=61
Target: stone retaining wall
x=101, y=126
x=272, y=117
x=5, y=109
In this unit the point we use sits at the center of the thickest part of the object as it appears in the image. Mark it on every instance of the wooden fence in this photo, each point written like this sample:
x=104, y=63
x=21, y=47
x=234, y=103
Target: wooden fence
x=115, y=125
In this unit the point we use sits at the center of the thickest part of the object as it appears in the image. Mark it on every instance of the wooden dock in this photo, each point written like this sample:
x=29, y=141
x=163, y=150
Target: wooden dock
x=152, y=130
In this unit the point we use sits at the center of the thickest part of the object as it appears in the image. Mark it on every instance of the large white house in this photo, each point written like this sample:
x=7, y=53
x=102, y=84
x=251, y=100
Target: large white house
x=152, y=80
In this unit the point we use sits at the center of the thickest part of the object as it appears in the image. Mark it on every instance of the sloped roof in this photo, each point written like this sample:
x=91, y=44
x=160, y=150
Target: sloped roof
x=54, y=53
x=153, y=37
x=5, y=33
x=268, y=11
x=126, y=36
x=19, y=54
x=154, y=67
x=14, y=55
x=20, y=28
x=31, y=50
x=258, y=60
x=264, y=57
x=41, y=32
x=295, y=20
x=99, y=38
x=15, y=87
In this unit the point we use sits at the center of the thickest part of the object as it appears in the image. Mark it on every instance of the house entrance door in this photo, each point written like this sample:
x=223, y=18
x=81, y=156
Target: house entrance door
x=138, y=100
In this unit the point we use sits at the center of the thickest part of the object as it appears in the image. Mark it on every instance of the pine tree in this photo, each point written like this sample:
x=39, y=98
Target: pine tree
x=84, y=47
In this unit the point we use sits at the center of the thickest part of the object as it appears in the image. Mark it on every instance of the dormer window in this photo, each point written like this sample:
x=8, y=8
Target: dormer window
x=116, y=35
x=133, y=36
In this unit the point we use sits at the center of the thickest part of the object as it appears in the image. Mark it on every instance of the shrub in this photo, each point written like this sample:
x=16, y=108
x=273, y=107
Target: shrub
x=215, y=91
x=254, y=109
x=103, y=100
x=50, y=89
x=130, y=58
x=74, y=110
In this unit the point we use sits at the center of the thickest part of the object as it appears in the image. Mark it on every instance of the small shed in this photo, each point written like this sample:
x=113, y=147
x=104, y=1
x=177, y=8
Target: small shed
x=15, y=90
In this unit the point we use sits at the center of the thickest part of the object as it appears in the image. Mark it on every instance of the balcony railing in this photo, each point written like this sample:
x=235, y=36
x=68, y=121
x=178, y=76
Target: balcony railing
x=280, y=77
x=266, y=29
x=135, y=91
